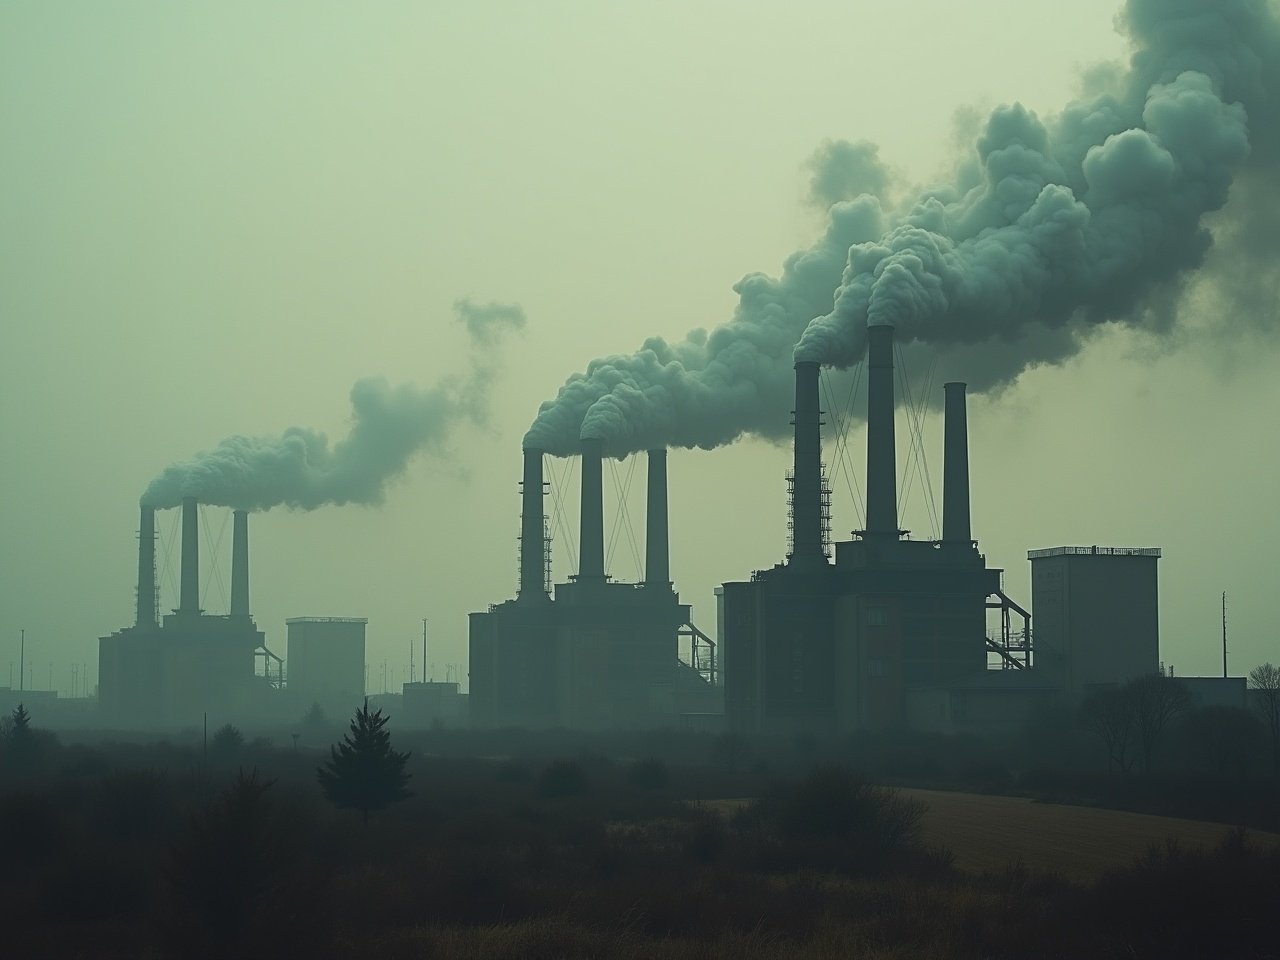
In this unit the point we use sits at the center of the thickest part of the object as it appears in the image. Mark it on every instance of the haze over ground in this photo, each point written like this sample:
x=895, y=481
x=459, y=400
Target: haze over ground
x=218, y=219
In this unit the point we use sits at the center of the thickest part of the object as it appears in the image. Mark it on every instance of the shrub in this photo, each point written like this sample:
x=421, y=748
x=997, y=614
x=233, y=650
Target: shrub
x=562, y=778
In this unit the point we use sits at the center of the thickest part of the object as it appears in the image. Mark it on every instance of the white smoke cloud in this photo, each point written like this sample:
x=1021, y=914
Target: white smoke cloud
x=300, y=469
x=1048, y=228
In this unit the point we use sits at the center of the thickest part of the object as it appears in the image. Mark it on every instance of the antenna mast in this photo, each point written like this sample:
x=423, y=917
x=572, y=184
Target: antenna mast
x=1224, y=634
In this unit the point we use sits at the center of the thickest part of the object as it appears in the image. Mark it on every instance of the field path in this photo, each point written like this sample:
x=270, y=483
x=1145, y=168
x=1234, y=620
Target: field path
x=987, y=833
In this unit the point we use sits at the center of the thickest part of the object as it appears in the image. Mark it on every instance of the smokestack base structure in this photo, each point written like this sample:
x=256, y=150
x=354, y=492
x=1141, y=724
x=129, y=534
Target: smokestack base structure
x=657, y=548
x=807, y=546
x=882, y=492
x=955, y=468
x=533, y=551
x=591, y=525
x=146, y=607
x=189, y=593
x=240, y=563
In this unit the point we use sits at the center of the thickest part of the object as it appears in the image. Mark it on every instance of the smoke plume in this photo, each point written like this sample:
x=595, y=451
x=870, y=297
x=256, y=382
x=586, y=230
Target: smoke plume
x=300, y=469
x=1048, y=228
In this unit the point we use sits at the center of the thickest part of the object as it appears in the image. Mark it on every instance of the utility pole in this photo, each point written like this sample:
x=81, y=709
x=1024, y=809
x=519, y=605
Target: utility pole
x=424, y=649
x=22, y=662
x=411, y=673
x=1224, y=634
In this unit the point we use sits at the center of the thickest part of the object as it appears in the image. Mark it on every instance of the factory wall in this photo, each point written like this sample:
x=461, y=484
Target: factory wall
x=325, y=657
x=827, y=646
x=594, y=654
x=172, y=673
x=1097, y=615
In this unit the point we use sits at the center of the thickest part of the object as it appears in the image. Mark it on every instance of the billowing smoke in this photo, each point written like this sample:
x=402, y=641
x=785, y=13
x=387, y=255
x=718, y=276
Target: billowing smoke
x=709, y=389
x=300, y=469
x=1047, y=228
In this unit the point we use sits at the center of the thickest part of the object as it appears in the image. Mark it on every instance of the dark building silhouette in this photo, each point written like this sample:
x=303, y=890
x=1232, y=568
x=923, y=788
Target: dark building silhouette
x=1097, y=615
x=172, y=670
x=593, y=652
x=876, y=635
x=326, y=657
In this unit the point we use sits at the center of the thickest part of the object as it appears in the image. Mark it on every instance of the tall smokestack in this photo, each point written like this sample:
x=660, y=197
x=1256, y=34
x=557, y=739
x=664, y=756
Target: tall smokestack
x=882, y=489
x=806, y=485
x=240, y=563
x=533, y=582
x=147, y=568
x=189, y=595
x=657, y=550
x=591, y=525
x=955, y=467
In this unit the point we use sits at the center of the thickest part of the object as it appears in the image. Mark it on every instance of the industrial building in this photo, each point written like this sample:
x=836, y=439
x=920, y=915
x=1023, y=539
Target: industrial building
x=433, y=703
x=592, y=653
x=889, y=631
x=326, y=657
x=1097, y=616
x=172, y=671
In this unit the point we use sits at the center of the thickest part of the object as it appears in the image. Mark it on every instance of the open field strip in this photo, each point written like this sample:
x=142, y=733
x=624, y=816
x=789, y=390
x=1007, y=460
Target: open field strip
x=989, y=832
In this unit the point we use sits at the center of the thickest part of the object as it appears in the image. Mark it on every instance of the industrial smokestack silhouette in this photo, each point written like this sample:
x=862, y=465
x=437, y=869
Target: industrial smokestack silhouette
x=955, y=467
x=591, y=525
x=882, y=492
x=189, y=595
x=147, y=568
x=657, y=549
x=806, y=484
x=240, y=563
x=533, y=582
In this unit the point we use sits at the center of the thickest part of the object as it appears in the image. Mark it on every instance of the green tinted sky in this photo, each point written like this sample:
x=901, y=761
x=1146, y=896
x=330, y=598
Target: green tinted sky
x=216, y=217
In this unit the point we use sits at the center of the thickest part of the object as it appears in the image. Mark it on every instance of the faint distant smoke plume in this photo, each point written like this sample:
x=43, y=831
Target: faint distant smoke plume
x=302, y=470
x=1047, y=228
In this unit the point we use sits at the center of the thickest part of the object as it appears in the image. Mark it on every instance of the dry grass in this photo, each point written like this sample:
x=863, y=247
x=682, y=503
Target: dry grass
x=988, y=833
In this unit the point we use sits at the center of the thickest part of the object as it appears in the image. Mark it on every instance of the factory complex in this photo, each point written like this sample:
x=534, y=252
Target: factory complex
x=876, y=632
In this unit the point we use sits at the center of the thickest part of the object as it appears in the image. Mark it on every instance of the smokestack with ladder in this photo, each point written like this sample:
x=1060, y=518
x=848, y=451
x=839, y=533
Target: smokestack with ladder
x=882, y=487
x=657, y=550
x=591, y=524
x=533, y=578
x=240, y=563
x=806, y=481
x=189, y=593
x=955, y=468
x=147, y=568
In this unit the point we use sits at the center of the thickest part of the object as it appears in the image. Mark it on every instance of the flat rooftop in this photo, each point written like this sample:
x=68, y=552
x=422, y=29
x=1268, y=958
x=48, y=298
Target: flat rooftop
x=1094, y=552
x=327, y=620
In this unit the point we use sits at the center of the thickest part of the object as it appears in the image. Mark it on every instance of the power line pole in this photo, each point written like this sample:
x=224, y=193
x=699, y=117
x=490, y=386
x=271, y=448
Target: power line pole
x=22, y=662
x=1224, y=634
x=424, y=649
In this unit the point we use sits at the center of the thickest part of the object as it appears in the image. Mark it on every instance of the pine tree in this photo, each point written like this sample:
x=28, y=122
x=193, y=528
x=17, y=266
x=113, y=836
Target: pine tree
x=21, y=723
x=21, y=748
x=363, y=772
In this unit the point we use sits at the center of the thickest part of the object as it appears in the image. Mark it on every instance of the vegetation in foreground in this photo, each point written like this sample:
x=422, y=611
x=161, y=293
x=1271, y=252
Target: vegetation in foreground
x=150, y=851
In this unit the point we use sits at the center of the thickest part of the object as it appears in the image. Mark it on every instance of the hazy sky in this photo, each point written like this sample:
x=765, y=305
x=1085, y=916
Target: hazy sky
x=216, y=218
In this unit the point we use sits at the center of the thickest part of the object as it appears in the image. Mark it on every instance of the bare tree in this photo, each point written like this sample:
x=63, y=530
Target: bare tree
x=1156, y=701
x=1264, y=683
x=1109, y=715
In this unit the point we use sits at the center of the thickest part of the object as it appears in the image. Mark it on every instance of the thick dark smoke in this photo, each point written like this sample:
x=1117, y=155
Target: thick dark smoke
x=300, y=469
x=1048, y=228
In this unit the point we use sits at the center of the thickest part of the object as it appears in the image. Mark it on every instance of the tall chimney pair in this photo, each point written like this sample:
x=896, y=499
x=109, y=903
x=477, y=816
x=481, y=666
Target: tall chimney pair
x=189, y=589
x=591, y=521
x=882, y=491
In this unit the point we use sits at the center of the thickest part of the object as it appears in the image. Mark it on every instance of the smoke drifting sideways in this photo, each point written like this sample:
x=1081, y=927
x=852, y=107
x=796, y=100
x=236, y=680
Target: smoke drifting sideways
x=1047, y=229
x=301, y=470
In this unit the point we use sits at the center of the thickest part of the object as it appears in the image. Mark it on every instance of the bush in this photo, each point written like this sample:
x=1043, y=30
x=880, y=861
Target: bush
x=562, y=778
x=836, y=820
x=648, y=774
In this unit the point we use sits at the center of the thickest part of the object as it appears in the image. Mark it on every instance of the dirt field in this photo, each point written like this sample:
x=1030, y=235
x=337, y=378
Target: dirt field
x=988, y=832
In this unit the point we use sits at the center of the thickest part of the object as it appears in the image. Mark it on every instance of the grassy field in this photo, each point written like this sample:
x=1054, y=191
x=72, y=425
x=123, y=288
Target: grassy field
x=1079, y=843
